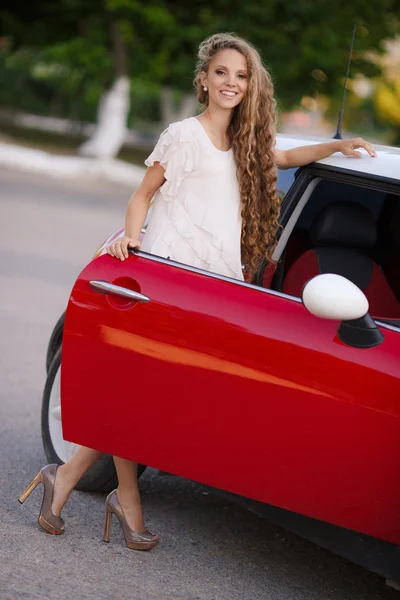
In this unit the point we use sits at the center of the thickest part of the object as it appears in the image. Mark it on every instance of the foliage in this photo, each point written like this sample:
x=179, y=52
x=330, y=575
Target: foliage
x=305, y=43
x=387, y=100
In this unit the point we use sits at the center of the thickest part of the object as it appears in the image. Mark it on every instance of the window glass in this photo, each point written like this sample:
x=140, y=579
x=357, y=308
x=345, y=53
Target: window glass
x=284, y=182
x=372, y=263
x=328, y=192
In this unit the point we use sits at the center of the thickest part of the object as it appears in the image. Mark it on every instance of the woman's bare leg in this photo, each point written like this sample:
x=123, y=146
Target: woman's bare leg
x=128, y=493
x=70, y=473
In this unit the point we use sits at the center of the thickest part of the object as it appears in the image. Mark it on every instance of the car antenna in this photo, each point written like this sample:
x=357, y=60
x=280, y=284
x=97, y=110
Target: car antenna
x=338, y=134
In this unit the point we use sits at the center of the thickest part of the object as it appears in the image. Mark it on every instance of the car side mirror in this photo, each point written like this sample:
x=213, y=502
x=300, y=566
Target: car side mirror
x=331, y=296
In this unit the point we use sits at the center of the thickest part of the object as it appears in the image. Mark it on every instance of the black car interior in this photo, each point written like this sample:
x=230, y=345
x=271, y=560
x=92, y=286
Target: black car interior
x=348, y=230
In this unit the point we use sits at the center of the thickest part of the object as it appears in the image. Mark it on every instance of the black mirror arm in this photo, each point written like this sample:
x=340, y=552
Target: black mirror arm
x=360, y=333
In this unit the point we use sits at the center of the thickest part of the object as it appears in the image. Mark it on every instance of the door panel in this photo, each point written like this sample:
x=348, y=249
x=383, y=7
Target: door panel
x=236, y=388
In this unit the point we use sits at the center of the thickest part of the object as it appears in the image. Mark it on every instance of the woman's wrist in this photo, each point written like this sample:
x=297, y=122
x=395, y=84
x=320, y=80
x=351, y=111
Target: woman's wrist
x=335, y=145
x=131, y=234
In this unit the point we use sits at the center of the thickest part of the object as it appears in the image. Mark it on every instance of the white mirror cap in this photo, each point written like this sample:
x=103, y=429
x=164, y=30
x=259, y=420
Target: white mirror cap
x=332, y=296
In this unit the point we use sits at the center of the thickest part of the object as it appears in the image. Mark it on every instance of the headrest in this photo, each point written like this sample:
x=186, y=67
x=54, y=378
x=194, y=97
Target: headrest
x=343, y=223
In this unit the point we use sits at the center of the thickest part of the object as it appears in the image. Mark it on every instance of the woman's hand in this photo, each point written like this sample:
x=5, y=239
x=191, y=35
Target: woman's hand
x=119, y=248
x=349, y=147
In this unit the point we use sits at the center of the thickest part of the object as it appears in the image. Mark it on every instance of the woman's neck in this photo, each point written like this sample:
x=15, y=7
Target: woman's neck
x=216, y=123
x=217, y=119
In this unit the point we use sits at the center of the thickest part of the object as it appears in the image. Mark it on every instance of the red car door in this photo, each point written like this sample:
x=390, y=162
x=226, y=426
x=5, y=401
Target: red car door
x=236, y=387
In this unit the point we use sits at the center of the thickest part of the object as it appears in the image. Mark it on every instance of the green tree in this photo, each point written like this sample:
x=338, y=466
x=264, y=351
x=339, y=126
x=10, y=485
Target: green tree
x=304, y=43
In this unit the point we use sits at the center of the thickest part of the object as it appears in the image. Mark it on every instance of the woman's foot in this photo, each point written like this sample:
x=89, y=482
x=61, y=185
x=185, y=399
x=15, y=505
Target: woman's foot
x=132, y=509
x=50, y=522
x=61, y=491
x=137, y=537
x=125, y=504
x=70, y=473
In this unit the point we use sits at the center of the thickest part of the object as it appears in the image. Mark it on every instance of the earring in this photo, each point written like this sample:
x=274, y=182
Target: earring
x=205, y=88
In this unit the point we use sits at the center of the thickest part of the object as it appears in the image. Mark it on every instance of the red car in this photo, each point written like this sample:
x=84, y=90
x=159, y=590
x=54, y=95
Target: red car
x=284, y=392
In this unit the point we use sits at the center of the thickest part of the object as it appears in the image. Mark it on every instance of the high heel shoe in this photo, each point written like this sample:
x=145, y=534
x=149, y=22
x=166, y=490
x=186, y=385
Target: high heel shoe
x=50, y=522
x=136, y=540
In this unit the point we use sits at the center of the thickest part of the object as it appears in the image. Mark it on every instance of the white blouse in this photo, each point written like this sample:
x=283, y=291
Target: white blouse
x=196, y=215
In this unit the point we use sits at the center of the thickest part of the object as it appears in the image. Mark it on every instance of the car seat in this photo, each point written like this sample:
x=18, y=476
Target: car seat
x=391, y=262
x=341, y=235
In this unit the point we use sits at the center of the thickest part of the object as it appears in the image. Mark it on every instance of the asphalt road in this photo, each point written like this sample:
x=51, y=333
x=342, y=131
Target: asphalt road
x=211, y=549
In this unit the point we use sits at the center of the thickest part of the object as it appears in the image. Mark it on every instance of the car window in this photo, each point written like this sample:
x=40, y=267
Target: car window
x=389, y=243
x=328, y=192
x=284, y=182
x=348, y=243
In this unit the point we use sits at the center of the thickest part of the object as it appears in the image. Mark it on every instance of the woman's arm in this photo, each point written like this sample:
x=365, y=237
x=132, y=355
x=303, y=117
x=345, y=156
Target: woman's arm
x=136, y=212
x=298, y=157
x=139, y=202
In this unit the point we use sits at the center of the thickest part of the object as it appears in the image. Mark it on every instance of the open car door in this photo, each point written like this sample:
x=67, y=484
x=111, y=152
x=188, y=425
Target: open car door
x=233, y=386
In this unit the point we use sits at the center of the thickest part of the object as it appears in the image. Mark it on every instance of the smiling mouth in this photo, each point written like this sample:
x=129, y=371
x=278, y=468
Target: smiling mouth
x=228, y=94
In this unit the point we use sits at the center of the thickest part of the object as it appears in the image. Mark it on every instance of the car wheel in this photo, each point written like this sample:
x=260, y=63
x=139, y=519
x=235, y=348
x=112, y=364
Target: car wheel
x=55, y=341
x=101, y=477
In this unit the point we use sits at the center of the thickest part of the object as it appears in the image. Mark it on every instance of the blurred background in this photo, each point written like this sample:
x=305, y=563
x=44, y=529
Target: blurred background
x=104, y=78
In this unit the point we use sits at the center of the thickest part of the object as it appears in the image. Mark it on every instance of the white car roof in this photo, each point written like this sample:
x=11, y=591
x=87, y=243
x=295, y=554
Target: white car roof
x=385, y=164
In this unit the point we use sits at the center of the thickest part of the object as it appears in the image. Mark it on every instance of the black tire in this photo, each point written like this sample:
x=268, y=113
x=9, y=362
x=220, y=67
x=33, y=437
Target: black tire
x=101, y=477
x=55, y=341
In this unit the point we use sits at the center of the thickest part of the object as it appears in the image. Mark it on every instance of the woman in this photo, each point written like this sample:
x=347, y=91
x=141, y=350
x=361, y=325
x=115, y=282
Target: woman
x=213, y=178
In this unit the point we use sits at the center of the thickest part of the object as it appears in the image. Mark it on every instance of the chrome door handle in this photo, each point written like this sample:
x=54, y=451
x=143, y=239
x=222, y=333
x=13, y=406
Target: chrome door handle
x=105, y=287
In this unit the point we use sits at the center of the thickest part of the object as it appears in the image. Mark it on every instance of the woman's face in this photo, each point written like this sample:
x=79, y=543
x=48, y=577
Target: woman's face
x=226, y=79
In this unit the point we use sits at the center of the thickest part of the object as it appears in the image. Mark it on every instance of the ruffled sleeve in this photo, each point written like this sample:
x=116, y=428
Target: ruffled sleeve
x=177, y=151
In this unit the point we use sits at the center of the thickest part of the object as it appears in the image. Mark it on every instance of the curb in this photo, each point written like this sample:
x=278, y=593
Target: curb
x=43, y=163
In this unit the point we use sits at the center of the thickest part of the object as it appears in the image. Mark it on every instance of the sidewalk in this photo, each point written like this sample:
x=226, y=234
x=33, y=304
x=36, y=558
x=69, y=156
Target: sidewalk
x=37, y=161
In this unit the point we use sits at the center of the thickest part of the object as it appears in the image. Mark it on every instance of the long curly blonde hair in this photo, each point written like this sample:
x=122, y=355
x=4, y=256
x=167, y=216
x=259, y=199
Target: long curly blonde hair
x=252, y=132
